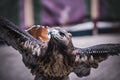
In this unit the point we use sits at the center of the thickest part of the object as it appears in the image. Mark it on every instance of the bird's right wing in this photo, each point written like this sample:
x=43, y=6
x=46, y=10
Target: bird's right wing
x=27, y=45
x=90, y=57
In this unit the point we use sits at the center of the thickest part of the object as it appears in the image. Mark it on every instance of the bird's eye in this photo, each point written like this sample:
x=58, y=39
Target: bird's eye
x=62, y=34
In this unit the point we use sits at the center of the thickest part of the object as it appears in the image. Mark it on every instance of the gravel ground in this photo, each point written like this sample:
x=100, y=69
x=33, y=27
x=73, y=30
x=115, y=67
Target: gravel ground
x=12, y=67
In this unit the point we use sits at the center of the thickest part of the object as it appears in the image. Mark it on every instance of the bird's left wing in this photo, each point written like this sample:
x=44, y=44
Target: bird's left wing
x=19, y=39
x=26, y=44
x=90, y=57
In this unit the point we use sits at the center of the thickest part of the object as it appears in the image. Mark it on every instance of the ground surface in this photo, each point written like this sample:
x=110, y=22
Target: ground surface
x=12, y=67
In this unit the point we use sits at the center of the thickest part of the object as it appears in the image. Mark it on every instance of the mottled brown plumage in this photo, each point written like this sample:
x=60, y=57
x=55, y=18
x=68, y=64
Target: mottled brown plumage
x=49, y=52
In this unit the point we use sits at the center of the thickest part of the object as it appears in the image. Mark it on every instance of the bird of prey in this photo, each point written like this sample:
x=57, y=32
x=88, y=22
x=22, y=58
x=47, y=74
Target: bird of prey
x=49, y=52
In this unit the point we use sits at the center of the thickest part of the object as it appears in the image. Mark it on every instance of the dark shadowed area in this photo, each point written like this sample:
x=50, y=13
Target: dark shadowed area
x=12, y=67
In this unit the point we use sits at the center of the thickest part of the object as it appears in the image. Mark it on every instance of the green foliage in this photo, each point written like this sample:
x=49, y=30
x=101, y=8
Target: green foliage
x=37, y=11
x=9, y=9
x=113, y=9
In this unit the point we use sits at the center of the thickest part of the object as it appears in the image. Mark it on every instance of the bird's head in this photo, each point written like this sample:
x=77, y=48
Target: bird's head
x=59, y=35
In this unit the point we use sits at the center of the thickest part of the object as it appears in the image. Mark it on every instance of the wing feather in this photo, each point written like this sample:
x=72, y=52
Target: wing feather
x=16, y=37
x=98, y=52
x=28, y=46
x=90, y=57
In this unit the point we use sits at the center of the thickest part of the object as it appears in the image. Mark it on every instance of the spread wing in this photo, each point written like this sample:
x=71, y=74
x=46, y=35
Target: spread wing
x=90, y=57
x=27, y=45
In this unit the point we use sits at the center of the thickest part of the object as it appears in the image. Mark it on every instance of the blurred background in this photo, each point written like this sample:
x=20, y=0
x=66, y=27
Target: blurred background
x=91, y=22
x=77, y=15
